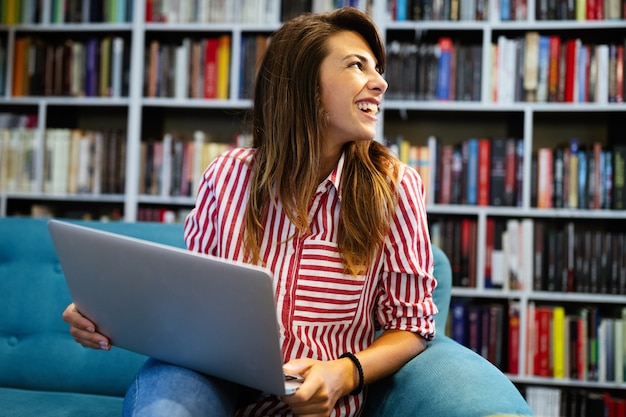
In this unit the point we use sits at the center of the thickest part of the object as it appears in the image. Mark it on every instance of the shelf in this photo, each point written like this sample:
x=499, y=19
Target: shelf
x=566, y=382
x=147, y=119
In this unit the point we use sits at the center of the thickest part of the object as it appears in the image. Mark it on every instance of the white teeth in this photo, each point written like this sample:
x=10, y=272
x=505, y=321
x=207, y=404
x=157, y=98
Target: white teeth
x=369, y=107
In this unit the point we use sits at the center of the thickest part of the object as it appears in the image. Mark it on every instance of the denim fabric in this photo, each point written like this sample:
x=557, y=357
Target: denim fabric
x=164, y=390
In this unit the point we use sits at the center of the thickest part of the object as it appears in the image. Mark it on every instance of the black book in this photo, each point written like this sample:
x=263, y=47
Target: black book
x=498, y=172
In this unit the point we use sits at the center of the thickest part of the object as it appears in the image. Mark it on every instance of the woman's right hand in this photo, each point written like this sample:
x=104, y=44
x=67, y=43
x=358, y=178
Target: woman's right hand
x=83, y=330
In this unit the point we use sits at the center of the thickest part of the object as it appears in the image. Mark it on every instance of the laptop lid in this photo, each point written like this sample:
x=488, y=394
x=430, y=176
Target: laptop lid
x=197, y=311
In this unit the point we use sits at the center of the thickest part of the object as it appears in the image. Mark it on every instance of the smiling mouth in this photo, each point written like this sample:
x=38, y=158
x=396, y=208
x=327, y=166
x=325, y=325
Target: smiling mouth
x=369, y=108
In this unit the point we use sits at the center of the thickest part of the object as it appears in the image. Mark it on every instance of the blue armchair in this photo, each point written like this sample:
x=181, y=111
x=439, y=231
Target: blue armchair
x=43, y=372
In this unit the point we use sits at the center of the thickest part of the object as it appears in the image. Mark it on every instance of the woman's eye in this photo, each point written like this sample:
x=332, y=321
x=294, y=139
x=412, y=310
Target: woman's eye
x=357, y=64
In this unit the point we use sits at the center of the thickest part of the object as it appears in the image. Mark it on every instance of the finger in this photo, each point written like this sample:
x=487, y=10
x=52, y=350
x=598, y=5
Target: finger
x=83, y=330
x=72, y=316
x=88, y=339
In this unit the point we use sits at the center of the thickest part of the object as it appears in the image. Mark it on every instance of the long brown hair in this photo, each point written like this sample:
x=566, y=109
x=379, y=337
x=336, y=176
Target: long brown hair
x=288, y=124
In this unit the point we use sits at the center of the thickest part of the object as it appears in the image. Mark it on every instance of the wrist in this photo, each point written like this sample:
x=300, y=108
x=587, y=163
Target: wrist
x=358, y=380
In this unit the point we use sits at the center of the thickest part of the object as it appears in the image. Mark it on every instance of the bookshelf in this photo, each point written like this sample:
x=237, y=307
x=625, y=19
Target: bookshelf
x=148, y=103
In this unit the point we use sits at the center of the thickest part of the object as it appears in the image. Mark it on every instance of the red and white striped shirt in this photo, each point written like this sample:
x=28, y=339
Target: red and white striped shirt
x=322, y=313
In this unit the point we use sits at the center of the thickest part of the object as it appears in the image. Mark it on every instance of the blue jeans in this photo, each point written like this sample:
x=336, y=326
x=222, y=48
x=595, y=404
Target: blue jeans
x=446, y=380
x=162, y=389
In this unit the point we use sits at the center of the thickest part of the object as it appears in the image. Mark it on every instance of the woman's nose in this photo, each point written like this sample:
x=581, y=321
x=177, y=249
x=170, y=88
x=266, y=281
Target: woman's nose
x=379, y=83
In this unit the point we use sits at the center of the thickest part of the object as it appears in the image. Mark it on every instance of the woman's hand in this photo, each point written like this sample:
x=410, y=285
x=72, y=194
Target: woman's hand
x=324, y=384
x=83, y=330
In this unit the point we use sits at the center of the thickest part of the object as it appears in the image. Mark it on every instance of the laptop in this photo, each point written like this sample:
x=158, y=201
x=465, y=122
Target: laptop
x=201, y=312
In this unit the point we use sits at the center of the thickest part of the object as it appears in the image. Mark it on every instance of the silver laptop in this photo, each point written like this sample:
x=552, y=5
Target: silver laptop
x=204, y=313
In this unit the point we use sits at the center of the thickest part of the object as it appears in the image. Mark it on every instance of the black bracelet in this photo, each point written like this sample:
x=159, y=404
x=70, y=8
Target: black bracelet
x=359, y=369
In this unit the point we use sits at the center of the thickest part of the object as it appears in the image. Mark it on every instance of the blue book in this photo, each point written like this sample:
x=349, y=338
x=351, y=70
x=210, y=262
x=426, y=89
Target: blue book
x=582, y=74
x=458, y=330
x=472, y=171
x=401, y=10
x=444, y=68
x=505, y=10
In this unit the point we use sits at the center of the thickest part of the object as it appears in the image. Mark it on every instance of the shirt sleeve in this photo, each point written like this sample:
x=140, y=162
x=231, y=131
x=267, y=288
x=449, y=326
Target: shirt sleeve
x=199, y=230
x=406, y=284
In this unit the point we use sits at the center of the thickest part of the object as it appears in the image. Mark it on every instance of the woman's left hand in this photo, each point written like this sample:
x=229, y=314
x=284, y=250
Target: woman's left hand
x=324, y=384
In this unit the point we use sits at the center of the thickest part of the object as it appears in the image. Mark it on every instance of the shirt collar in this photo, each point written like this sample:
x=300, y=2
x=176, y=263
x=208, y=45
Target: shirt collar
x=334, y=178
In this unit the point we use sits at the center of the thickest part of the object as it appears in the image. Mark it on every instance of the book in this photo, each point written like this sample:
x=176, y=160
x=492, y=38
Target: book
x=223, y=67
x=543, y=67
x=571, y=46
x=542, y=360
x=211, y=46
x=554, y=48
x=531, y=66
x=444, y=74
x=483, y=175
x=544, y=177
x=619, y=177
x=514, y=337
x=558, y=342
x=471, y=154
x=498, y=167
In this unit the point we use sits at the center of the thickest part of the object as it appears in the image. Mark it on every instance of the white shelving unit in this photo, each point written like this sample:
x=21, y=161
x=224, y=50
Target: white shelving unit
x=399, y=115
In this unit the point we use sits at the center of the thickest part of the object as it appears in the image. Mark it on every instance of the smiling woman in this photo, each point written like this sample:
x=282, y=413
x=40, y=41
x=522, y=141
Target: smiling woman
x=335, y=216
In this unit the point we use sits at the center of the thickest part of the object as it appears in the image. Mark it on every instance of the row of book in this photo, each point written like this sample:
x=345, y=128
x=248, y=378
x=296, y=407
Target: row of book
x=551, y=68
x=477, y=171
x=173, y=165
x=65, y=11
x=546, y=256
x=91, y=67
x=448, y=10
x=100, y=212
x=290, y=9
x=213, y=11
x=161, y=214
x=573, y=402
x=579, y=176
x=445, y=70
x=489, y=172
x=72, y=161
x=457, y=238
x=483, y=328
x=534, y=254
x=578, y=343
x=580, y=10
x=194, y=68
x=505, y=10
x=9, y=120
x=581, y=343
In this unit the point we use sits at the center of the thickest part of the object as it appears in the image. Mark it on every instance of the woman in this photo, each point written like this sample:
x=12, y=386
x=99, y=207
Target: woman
x=332, y=213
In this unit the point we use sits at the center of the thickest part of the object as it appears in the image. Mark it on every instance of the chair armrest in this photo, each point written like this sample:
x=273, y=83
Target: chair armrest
x=446, y=380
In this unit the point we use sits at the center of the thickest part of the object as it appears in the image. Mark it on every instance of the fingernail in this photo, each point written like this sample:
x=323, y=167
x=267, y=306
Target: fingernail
x=90, y=329
x=104, y=346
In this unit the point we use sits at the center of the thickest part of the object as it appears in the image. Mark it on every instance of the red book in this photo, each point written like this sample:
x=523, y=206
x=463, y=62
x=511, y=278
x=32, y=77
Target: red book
x=211, y=46
x=581, y=347
x=484, y=165
x=149, y=10
x=489, y=247
x=466, y=244
x=514, y=337
x=570, y=69
x=543, y=318
x=553, y=68
x=592, y=6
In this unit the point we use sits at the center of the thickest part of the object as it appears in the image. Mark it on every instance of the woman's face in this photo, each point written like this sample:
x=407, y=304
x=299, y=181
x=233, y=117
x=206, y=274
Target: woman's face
x=352, y=90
